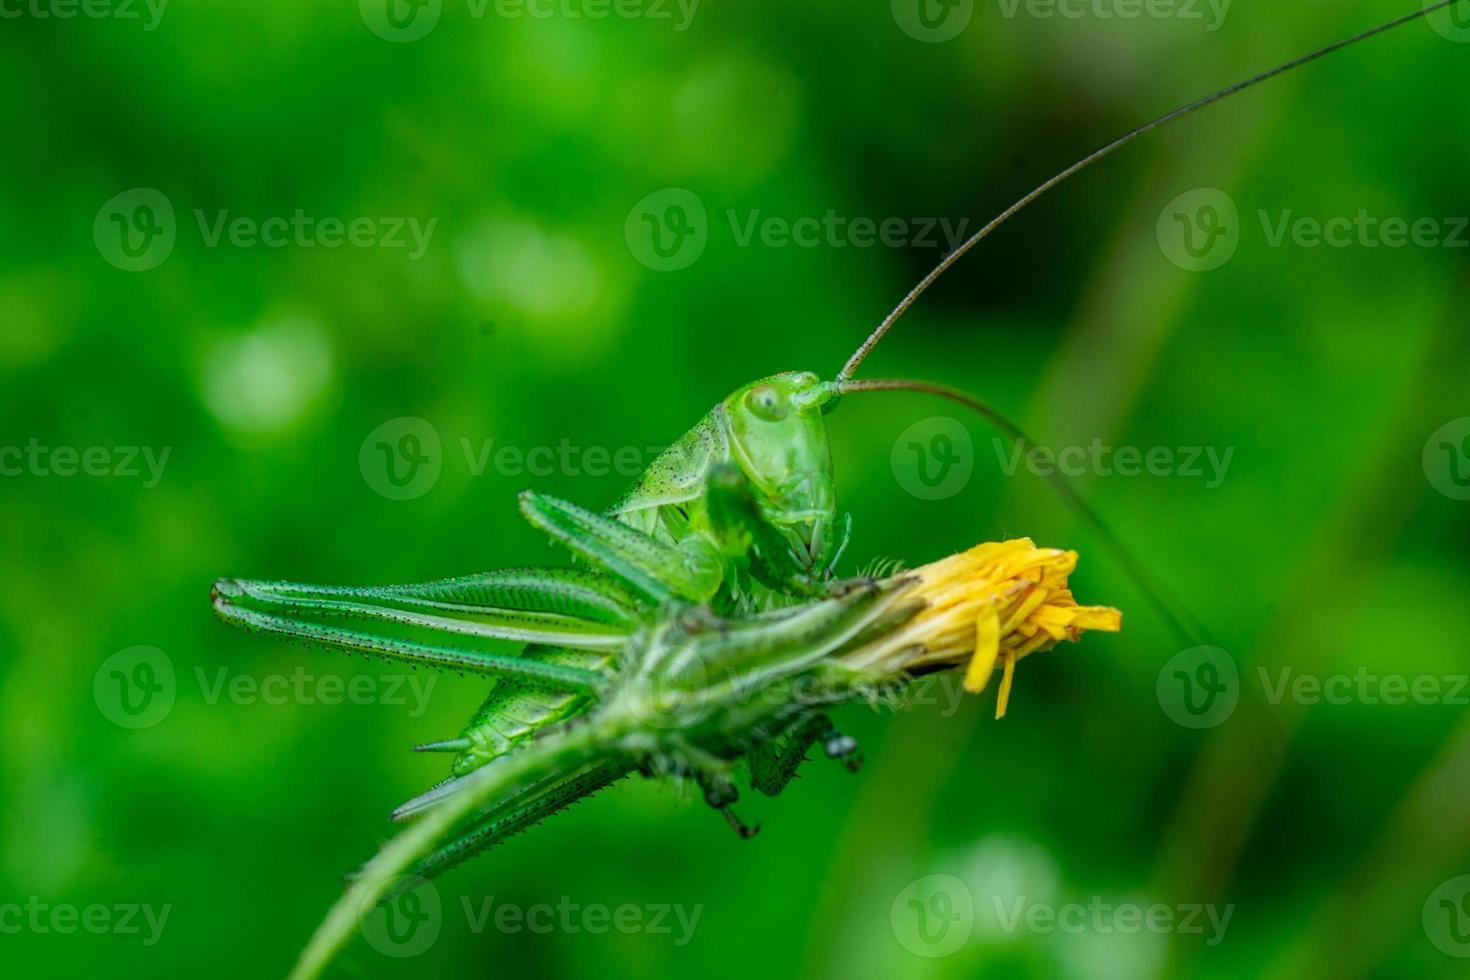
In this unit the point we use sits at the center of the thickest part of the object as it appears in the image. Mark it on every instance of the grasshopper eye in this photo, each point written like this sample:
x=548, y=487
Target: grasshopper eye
x=767, y=403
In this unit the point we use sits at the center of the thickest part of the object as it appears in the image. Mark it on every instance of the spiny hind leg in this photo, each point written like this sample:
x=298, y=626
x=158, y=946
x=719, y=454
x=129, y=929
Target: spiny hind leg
x=406, y=650
x=446, y=623
x=773, y=764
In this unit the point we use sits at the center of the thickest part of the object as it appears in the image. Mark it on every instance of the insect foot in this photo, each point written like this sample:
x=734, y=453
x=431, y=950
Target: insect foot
x=720, y=793
x=843, y=748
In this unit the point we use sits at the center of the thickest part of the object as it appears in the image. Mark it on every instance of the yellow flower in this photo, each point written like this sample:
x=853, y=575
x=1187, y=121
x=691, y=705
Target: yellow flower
x=996, y=603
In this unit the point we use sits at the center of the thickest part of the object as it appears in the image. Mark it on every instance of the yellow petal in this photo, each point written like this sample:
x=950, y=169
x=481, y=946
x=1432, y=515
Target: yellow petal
x=1005, y=687
x=987, y=646
x=1103, y=618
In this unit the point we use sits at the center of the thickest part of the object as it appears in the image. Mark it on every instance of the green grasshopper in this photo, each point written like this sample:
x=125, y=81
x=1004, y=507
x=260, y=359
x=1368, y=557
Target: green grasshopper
x=704, y=627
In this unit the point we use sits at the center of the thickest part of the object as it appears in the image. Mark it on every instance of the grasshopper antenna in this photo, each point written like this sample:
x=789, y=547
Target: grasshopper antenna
x=1184, y=626
x=1107, y=151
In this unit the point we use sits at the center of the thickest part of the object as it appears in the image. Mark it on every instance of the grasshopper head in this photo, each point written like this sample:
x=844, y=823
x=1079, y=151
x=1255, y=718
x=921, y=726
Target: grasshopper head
x=778, y=438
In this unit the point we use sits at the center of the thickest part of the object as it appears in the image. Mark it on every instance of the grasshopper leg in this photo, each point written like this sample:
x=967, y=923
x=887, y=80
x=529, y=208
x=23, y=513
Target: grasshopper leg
x=720, y=793
x=397, y=624
x=843, y=748
x=651, y=568
x=519, y=813
x=741, y=529
x=773, y=764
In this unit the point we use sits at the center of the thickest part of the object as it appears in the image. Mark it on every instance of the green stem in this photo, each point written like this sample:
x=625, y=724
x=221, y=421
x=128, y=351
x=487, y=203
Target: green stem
x=575, y=747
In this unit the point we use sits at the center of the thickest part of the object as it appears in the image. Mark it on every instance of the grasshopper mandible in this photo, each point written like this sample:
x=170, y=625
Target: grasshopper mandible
x=712, y=578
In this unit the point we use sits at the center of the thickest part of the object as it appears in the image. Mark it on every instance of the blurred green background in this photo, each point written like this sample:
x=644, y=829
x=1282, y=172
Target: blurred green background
x=1328, y=549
